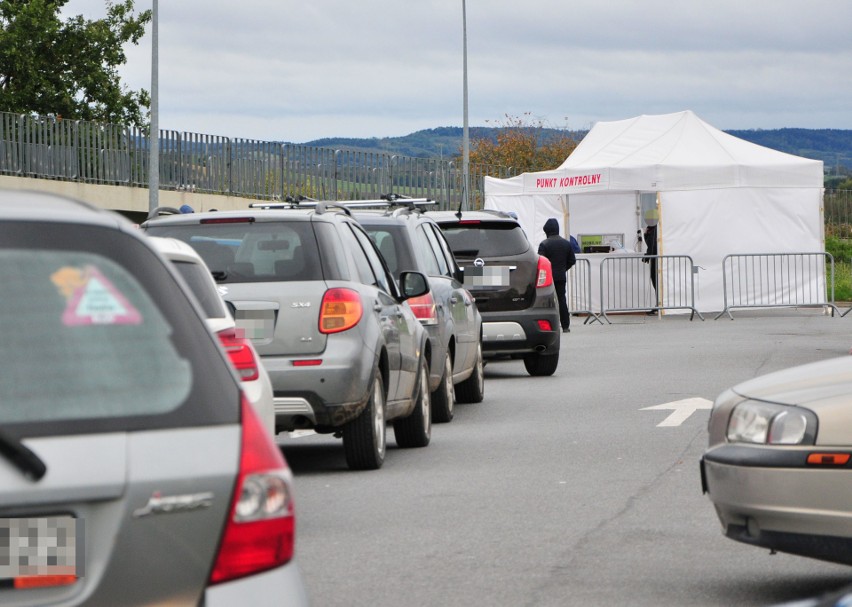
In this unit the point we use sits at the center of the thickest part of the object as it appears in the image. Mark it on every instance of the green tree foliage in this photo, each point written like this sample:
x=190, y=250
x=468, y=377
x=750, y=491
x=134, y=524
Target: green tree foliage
x=69, y=69
x=523, y=144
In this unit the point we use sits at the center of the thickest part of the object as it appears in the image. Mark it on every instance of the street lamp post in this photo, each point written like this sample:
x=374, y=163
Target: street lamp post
x=154, y=132
x=465, y=133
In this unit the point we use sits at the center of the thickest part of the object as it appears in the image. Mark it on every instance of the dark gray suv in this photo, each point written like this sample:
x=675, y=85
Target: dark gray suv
x=512, y=285
x=343, y=349
x=410, y=240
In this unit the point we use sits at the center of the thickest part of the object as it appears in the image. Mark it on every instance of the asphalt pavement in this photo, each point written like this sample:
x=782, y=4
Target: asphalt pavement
x=576, y=489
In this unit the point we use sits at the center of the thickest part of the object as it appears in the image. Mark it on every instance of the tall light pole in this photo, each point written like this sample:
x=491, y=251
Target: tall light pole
x=154, y=134
x=465, y=133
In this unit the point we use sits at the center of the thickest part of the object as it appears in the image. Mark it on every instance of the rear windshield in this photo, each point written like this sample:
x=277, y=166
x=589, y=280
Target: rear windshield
x=486, y=239
x=197, y=277
x=253, y=251
x=94, y=337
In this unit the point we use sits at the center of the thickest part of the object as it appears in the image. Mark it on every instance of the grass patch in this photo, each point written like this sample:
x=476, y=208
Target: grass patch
x=841, y=250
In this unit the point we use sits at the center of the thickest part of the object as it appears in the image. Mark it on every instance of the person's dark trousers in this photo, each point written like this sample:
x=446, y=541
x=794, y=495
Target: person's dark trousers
x=564, y=314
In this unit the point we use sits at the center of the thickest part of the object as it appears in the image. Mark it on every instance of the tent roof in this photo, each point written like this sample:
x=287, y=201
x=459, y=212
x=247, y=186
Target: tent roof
x=671, y=152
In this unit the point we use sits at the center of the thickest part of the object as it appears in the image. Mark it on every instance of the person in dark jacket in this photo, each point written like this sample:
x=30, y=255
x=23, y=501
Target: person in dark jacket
x=561, y=255
x=651, y=250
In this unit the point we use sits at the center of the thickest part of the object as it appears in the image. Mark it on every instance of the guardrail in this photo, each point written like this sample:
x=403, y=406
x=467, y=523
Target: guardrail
x=626, y=284
x=48, y=147
x=778, y=280
x=579, y=286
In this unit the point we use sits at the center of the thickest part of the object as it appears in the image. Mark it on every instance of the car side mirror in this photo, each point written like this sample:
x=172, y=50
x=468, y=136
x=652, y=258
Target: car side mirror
x=413, y=284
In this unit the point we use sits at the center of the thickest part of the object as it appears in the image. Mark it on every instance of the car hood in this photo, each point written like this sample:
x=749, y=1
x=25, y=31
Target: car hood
x=815, y=385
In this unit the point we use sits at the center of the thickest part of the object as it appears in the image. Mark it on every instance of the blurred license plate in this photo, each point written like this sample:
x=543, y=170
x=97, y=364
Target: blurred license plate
x=486, y=276
x=40, y=551
x=255, y=324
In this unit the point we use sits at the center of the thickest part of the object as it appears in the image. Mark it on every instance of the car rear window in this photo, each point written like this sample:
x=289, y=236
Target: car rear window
x=95, y=337
x=485, y=238
x=251, y=251
x=197, y=277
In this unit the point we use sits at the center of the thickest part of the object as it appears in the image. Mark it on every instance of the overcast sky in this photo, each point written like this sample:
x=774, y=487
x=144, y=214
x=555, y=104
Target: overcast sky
x=282, y=70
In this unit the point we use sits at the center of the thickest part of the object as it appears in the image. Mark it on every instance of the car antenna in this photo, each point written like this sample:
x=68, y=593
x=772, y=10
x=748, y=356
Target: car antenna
x=458, y=213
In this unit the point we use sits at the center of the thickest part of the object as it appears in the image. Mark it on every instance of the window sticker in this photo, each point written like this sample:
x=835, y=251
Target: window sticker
x=92, y=298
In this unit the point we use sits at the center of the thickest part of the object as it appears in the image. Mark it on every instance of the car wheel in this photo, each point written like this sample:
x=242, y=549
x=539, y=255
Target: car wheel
x=365, y=437
x=472, y=390
x=415, y=430
x=539, y=365
x=444, y=397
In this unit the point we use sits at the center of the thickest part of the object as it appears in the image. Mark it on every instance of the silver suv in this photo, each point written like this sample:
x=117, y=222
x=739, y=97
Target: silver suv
x=343, y=349
x=410, y=240
x=131, y=463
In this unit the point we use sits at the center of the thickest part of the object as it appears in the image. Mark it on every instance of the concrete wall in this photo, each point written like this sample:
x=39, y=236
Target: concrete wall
x=132, y=202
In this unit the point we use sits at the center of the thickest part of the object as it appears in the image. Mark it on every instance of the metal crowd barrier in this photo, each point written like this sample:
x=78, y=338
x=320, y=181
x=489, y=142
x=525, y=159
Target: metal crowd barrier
x=778, y=280
x=625, y=284
x=579, y=286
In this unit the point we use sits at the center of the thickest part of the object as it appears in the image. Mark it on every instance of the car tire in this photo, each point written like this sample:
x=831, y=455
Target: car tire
x=365, y=437
x=472, y=390
x=444, y=396
x=415, y=430
x=539, y=365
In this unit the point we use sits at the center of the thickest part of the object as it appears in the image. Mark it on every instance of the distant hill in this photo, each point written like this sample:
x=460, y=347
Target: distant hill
x=832, y=146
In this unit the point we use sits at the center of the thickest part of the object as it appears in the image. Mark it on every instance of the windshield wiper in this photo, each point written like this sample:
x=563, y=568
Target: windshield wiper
x=22, y=457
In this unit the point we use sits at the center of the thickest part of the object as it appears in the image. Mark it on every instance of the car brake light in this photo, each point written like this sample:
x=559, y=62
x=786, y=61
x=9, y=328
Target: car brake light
x=424, y=308
x=544, y=325
x=544, y=273
x=228, y=220
x=241, y=354
x=261, y=527
x=340, y=310
x=469, y=221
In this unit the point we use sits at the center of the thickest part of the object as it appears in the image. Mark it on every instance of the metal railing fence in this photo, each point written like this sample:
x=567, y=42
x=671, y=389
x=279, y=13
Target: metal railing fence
x=49, y=147
x=778, y=280
x=625, y=284
x=579, y=287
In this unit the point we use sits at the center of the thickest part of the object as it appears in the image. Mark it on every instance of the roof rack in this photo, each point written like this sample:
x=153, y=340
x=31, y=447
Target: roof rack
x=325, y=206
x=163, y=211
x=289, y=202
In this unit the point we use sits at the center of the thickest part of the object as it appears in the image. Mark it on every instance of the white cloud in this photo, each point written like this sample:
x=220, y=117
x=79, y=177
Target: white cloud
x=298, y=71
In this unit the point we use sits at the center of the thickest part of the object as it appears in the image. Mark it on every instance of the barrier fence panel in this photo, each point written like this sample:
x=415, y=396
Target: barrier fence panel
x=580, y=290
x=778, y=280
x=625, y=284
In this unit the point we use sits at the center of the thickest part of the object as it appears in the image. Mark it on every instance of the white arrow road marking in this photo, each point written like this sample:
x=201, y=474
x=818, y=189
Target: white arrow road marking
x=681, y=410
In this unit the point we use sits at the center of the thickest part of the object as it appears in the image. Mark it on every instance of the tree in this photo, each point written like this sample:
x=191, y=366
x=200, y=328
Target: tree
x=69, y=69
x=523, y=144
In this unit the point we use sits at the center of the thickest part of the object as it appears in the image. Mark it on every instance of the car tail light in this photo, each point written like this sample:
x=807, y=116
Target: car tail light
x=340, y=310
x=241, y=354
x=424, y=308
x=261, y=527
x=544, y=325
x=544, y=273
x=228, y=220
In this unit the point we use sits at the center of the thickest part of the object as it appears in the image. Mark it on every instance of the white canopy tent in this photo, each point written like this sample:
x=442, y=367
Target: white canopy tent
x=715, y=194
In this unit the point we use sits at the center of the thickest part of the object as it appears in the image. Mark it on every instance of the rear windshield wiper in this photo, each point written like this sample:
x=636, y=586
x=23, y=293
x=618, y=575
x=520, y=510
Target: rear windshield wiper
x=465, y=252
x=219, y=275
x=22, y=457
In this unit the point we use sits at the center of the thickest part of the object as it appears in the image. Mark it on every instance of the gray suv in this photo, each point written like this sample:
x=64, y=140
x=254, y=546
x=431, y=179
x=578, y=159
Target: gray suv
x=131, y=462
x=410, y=240
x=343, y=349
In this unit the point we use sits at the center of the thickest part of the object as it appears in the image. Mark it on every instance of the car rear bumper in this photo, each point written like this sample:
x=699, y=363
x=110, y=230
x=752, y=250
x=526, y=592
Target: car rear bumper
x=329, y=393
x=281, y=587
x=799, y=510
x=519, y=332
